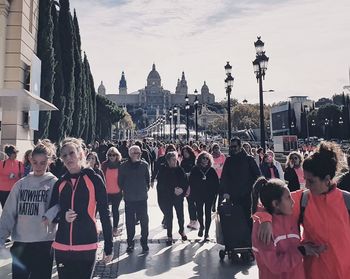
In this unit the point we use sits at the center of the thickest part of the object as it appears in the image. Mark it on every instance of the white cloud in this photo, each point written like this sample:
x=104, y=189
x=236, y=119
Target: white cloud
x=307, y=42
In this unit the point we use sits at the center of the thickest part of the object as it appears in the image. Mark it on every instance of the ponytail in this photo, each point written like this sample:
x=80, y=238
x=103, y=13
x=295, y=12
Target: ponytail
x=260, y=182
x=267, y=192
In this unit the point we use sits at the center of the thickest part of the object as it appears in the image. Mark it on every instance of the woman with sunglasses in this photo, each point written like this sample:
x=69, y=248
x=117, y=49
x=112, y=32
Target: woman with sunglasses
x=294, y=173
x=110, y=169
x=94, y=163
x=204, y=183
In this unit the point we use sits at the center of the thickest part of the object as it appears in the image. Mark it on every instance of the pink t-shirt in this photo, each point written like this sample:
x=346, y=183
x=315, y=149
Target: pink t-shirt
x=219, y=164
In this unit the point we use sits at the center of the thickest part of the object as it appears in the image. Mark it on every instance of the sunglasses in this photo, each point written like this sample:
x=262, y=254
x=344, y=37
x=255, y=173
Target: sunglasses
x=294, y=158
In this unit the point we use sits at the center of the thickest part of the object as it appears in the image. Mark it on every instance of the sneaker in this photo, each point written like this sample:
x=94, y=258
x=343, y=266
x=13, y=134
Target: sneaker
x=169, y=241
x=190, y=225
x=183, y=236
x=130, y=249
x=206, y=237
x=115, y=232
x=200, y=232
x=145, y=248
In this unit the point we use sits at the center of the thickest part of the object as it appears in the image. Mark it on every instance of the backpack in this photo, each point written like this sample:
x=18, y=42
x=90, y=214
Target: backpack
x=305, y=197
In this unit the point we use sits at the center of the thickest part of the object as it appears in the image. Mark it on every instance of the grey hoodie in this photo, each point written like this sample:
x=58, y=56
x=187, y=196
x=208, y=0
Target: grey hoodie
x=27, y=203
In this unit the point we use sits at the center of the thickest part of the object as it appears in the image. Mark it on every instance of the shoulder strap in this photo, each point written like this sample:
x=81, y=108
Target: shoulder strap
x=303, y=203
x=4, y=163
x=346, y=196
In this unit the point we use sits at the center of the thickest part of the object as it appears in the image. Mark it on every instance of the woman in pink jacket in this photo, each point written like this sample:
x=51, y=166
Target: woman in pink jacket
x=283, y=258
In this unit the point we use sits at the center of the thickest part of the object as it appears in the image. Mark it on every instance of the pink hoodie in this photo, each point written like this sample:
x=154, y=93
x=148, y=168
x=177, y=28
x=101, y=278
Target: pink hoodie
x=281, y=259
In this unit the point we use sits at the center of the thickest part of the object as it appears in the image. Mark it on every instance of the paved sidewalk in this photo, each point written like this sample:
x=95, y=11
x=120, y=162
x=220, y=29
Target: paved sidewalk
x=186, y=260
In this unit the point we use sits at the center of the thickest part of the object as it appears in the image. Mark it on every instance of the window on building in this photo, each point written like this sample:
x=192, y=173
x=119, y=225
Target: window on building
x=26, y=77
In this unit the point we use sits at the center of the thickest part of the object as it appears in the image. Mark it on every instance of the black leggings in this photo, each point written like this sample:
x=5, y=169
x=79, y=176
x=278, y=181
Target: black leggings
x=192, y=209
x=75, y=265
x=114, y=200
x=207, y=207
x=31, y=260
x=168, y=205
x=3, y=197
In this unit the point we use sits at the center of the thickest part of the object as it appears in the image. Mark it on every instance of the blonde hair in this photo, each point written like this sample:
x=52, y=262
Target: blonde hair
x=294, y=153
x=114, y=150
x=202, y=155
x=77, y=143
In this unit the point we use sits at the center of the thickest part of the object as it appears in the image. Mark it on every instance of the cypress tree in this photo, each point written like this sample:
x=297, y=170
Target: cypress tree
x=87, y=102
x=66, y=40
x=78, y=69
x=56, y=128
x=92, y=108
x=46, y=55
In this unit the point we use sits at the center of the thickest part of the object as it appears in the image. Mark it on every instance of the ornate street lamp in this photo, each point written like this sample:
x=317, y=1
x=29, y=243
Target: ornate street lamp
x=307, y=110
x=260, y=67
x=187, y=107
x=170, y=121
x=175, y=121
x=229, y=84
x=196, y=102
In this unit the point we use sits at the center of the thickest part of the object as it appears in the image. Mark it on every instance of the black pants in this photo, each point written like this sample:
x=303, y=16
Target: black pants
x=207, y=209
x=178, y=204
x=114, y=200
x=138, y=208
x=3, y=197
x=74, y=265
x=246, y=204
x=192, y=209
x=31, y=260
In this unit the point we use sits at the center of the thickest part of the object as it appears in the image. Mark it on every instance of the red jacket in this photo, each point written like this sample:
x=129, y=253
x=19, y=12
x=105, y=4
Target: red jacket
x=281, y=259
x=326, y=221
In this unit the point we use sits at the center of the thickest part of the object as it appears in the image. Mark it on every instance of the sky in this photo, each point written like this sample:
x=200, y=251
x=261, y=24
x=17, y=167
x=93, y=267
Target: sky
x=307, y=42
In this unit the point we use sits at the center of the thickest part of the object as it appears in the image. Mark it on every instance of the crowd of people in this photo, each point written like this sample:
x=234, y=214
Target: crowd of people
x=50, y=200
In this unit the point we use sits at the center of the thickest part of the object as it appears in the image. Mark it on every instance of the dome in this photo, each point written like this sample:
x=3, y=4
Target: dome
x=153, y=74
x=205, y=88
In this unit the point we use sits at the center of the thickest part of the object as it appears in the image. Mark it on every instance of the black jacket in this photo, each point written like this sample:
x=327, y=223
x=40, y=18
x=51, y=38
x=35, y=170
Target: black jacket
x=134, y=180
x=170, y=178
x=204, y=184
x=291, y=176
x=78, y=197
x=344, y=182
x=187, y=164
x=265, y=171
x=239, y=173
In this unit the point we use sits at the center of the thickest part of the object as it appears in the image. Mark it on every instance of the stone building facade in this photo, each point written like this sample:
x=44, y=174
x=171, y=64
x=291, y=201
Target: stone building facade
x=154, y=99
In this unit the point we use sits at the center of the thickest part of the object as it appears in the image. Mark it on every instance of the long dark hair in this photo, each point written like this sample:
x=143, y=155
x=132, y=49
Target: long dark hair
x=267, y=191
x=190, y=152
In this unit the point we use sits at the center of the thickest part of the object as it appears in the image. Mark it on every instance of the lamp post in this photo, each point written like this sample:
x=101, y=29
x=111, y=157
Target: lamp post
x=307, y=110
x=175, y=121
x=187, y=107
x=326, y=123
x=229, y=83
x=260, y=67
x=341, y=122
x=196, y=102
x=170, y=120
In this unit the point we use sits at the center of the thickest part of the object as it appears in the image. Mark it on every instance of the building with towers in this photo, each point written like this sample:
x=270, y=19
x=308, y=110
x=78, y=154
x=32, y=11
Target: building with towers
x=153, y=99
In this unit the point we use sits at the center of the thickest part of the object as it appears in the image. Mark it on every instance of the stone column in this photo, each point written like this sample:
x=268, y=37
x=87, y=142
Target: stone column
x=4, y=11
